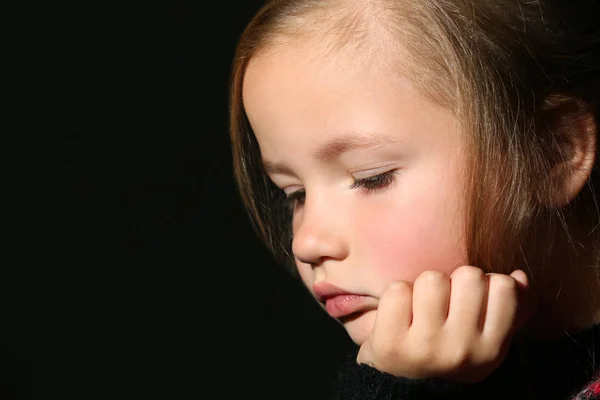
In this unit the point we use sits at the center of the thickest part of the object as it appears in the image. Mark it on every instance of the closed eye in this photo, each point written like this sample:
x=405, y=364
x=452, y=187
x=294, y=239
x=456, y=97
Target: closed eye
x=376, y=182
x=369, y=184
x=296, y=198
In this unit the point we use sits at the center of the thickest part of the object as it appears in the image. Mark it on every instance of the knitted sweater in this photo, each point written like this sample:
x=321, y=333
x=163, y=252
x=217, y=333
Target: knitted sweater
x=562, y=369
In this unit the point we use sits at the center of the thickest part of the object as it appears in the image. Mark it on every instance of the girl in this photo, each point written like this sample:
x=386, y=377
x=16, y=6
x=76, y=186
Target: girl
x=428, y=168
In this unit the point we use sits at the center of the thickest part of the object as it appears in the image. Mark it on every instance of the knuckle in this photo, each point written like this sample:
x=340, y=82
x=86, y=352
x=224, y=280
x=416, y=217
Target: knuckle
x=468, y=273
x=400, y=285
x=399, y=288
x=503, y=283
x=467, y=270
x=431, y=276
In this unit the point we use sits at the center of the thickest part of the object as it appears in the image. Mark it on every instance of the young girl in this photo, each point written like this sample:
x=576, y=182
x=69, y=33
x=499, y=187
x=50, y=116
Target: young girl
x=428, y=168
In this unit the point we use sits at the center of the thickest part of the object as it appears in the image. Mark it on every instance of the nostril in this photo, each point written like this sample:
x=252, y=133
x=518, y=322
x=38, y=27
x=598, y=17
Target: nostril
x=312, y=263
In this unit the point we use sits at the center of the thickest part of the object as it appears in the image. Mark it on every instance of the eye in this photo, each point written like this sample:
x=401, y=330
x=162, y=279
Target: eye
x=376, y=182
x=369, y=184
x=296, y=198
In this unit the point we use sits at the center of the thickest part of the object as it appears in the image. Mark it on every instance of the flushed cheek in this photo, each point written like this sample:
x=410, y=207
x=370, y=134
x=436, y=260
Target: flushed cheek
x=399, y=243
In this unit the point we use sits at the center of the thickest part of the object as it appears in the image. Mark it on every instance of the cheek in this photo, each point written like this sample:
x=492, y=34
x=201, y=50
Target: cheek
x=402, y=239
x=306, y=274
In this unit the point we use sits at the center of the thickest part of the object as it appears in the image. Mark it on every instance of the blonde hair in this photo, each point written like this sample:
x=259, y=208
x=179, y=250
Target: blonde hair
x=518, y=75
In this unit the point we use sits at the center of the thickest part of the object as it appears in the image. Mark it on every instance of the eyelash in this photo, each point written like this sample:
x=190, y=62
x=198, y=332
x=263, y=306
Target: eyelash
x=370, y=184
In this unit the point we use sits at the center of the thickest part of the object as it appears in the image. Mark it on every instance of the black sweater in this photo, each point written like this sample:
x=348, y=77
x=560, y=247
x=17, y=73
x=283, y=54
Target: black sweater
x=559, y=369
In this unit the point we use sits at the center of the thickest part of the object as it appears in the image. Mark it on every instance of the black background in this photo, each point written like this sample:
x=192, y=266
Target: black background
x=131, y=270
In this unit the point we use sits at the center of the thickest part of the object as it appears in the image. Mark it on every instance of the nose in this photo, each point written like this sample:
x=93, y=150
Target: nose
x=319, y=232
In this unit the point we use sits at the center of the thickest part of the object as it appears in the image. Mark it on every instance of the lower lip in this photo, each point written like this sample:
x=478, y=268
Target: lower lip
x=341, y=305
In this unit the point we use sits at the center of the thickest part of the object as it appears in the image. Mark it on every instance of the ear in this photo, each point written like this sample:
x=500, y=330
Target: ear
x=575, y=125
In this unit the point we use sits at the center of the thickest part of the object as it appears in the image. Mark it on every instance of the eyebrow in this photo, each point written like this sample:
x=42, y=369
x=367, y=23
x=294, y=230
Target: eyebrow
x=335, y=147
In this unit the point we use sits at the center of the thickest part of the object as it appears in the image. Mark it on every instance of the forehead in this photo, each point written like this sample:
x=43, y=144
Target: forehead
x=299, y=70
x=298, y=88
x=297, y=100
x=323, y=60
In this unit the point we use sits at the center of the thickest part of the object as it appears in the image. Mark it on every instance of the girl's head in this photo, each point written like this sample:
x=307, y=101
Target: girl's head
x=416, y=135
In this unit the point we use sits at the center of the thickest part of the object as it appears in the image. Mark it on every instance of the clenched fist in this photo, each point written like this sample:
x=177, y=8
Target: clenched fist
x=457, y=328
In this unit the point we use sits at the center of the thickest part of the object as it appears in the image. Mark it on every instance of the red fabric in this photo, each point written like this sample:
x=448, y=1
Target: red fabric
x=591, y=392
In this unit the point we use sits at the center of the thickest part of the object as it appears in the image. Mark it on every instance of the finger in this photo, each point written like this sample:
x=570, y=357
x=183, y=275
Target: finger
x=394, y=313
x=468, y=298
x=501, y=308
x=431, y=297
x=526, y=299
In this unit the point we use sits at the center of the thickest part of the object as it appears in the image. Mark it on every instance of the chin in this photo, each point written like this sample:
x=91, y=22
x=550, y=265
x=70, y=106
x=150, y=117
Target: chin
x=359, y=328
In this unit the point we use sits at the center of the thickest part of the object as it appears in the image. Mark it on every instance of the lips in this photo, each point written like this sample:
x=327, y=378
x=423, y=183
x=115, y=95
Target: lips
x=339, y=302
x=342, y=305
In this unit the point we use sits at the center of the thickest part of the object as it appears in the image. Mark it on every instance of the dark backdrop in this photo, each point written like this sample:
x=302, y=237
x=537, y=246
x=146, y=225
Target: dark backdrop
x=131, y=270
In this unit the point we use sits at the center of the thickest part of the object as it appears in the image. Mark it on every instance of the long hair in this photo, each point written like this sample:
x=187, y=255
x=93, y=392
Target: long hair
x=518, y=75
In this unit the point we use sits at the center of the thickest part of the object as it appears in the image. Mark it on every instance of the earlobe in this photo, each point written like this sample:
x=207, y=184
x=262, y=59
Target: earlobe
x=570, y=175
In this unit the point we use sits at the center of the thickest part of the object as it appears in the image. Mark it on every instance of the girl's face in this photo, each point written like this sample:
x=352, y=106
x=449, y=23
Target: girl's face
x=374, y=169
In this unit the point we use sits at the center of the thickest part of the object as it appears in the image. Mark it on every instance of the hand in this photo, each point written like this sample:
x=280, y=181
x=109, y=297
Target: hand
x=456, y=328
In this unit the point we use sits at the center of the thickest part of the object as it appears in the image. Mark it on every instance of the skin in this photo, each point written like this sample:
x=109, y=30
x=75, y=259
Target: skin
x=402, y=245
x=359, y=241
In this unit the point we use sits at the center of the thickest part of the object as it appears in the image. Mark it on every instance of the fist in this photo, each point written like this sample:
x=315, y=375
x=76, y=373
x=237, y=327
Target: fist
x=458, y=328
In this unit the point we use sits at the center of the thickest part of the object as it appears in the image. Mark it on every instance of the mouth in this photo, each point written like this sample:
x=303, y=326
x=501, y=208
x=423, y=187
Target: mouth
x=341, y=303
x=347, y=305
